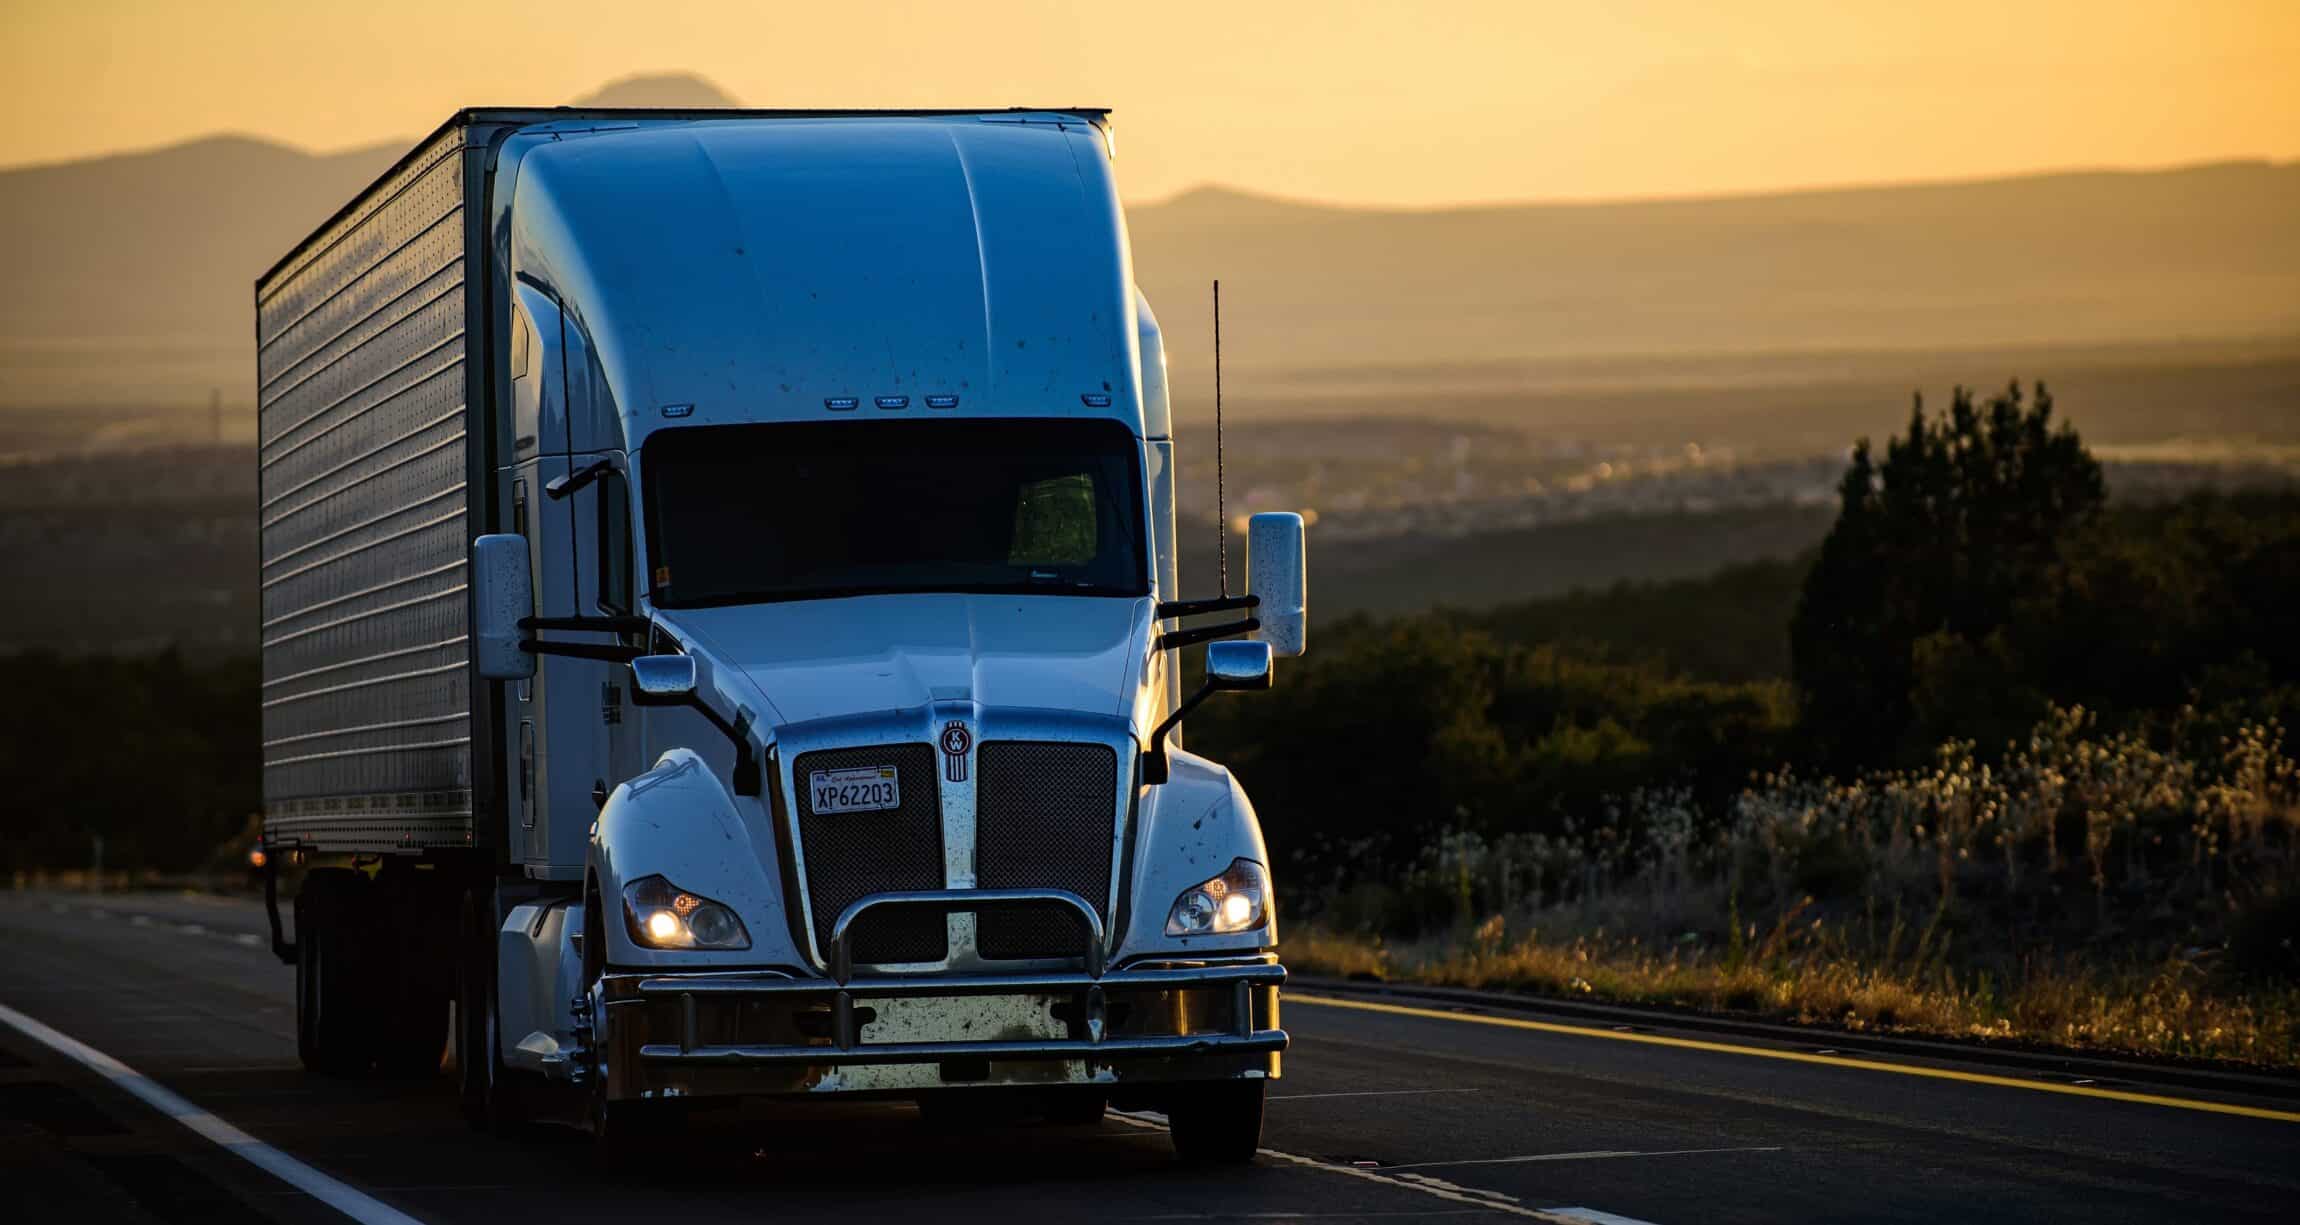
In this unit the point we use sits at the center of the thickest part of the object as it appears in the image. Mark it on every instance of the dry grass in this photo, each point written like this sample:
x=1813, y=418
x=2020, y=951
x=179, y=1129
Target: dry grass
x=2089, y=890
x=2167, y=1010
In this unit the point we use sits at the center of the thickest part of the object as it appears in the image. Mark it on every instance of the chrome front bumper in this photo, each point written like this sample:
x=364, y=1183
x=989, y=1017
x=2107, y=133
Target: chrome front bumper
x=708, y=1034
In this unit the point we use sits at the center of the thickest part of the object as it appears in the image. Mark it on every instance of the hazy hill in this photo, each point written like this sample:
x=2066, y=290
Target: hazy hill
x=1505, y=294
x=664, y=89
x=129, y=278
x=132, y=276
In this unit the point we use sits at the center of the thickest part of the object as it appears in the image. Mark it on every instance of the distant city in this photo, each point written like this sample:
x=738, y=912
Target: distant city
x=1362, y=479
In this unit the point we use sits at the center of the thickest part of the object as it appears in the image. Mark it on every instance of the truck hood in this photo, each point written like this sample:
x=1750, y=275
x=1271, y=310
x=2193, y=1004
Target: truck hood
x=821, y=659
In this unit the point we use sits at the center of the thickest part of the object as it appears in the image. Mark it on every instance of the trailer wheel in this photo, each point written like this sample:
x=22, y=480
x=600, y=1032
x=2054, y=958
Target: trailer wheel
x=332, y=1029
x=1219, y=1122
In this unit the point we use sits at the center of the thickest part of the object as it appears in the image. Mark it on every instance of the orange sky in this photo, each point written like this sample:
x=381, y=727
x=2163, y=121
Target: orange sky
x=1434, y=103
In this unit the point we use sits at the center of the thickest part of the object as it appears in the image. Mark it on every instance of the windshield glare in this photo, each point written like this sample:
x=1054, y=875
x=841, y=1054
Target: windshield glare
x=804, y=510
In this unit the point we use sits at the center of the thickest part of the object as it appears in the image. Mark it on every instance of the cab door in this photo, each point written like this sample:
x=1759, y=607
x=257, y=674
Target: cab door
x=605, y=587
x=548, y=718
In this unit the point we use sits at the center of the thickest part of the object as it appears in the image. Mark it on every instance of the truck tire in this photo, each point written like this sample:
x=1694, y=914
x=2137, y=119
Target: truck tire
x=1219, y=1122
x=414, y=1033
x=491, y=1099
x=1076, y=1108
x=410, y=923
x=332, y=1020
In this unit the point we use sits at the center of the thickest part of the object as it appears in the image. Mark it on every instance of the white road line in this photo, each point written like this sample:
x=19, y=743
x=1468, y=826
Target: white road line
x=1432, y=1187
x=1425, y=1180
x=1595, y=1155
x=345, y=1199
x=1305, y=1097
x=1594, y=1217
x=1417, y=1214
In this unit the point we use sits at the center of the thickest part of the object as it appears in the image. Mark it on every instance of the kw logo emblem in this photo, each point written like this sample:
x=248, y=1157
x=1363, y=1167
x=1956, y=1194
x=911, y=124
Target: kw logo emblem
x=955, y=743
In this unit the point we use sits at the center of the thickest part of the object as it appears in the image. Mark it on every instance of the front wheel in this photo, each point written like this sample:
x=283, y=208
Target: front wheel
x=1219, y=1122
x=1077, y=1108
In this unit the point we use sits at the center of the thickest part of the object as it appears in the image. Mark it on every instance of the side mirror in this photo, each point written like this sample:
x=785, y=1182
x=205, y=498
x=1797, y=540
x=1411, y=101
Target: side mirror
x=1238, y=665
x=663, y=680
x=1277, y=573
x=502, y=595
x=670, y=680
x=1230, y=667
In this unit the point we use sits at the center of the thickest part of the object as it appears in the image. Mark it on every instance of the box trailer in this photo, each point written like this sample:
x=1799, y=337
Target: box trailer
x=720, y=618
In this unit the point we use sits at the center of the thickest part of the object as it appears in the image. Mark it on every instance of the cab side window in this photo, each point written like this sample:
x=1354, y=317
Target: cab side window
x=614, y=543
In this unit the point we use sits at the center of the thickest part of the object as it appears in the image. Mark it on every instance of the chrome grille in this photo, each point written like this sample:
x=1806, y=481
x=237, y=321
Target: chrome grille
x=1045, y=816
x=852, y=854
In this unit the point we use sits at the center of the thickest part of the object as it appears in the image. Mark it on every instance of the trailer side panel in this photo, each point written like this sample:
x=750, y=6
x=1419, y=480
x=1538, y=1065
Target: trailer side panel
x=365, y=443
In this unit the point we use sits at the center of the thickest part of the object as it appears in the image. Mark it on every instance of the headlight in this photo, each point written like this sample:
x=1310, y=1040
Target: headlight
x=661, y=915
x=1237, y=900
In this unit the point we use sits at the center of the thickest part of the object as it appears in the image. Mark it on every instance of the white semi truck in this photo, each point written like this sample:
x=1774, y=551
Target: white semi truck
x=720, y=631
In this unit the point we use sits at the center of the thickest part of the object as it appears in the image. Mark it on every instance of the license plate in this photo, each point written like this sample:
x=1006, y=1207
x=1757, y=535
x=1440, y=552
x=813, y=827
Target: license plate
x=862, y=789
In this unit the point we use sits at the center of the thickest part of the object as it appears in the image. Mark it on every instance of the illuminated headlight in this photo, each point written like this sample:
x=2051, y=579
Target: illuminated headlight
x=1237, y=900
x=661, y=915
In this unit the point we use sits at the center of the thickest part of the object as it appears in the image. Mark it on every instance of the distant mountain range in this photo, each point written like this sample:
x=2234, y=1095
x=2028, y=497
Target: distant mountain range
x=130, y=275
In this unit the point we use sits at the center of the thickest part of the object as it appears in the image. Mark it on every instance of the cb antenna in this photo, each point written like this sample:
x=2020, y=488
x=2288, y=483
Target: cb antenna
x=1221, y=507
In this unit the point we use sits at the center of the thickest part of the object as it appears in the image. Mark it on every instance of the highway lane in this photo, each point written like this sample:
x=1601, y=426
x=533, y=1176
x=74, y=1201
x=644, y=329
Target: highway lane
x=1383, y=1115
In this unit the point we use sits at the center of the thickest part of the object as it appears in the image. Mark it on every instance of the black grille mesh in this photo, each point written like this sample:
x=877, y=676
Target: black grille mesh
x=849, y=855
x=1044, y=818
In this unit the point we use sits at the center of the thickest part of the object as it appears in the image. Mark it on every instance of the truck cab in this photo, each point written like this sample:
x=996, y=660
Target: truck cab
x=824, y=633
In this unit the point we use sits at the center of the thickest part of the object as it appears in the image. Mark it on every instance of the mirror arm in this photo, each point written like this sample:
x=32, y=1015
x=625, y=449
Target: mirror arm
x=603, y=625
x=608, y=653
x=746, y=777
x=1207, y=633
x=1191, y=608
x=1155, y=764
x=560, y=486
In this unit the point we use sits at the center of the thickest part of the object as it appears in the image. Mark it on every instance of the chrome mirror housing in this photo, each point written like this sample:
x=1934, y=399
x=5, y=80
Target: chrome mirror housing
x=1238, y=665
x=663, y=680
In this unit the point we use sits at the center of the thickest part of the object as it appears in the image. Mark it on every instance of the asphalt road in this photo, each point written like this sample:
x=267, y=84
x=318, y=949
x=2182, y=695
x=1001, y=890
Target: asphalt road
x=1397, y=1110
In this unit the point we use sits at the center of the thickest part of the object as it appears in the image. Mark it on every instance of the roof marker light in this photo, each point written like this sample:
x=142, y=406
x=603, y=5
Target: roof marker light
x=841, y=404
x=678, y=410
x=1095, y=399
x=892, y=401
x=942, y=401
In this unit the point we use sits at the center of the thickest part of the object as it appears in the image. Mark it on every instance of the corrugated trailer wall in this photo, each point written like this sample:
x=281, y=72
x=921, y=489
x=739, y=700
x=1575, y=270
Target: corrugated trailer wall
x=362, y=345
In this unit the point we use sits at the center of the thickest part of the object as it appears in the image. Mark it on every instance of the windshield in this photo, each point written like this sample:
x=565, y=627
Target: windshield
x=803, y=510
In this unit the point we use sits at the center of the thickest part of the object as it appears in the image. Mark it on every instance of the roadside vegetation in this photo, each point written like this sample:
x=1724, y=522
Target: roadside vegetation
x=2088, y=890
x=143, y=763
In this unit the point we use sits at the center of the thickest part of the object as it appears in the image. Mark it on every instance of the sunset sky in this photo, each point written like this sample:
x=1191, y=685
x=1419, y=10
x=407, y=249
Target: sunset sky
x=1428, y=104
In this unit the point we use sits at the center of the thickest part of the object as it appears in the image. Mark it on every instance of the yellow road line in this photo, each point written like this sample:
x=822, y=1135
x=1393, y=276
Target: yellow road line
x=1835, y=1061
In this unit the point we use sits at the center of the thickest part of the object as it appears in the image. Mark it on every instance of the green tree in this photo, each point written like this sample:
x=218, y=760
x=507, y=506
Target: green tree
x=1937, y=543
